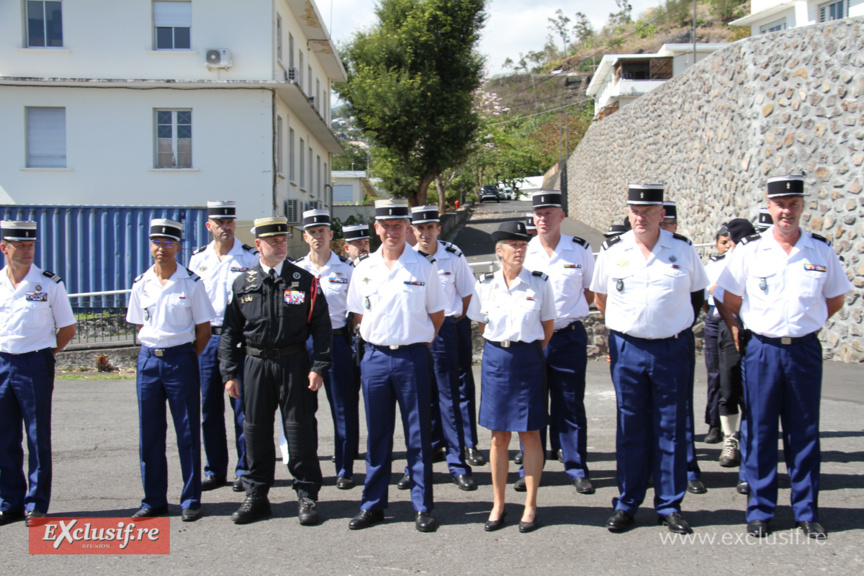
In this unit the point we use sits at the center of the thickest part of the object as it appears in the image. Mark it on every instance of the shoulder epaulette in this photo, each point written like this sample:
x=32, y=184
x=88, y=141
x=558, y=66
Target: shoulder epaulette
x=682, y=238
x=751, y=238
x=251, y=249
x=580, y=241
x=51, y=275
x=820, y=238
x=342, y=259
x=540, y=274
x=138, y=278
x=611, y=242
x=430, y=258
x=199, y=249
x=448, y=247
x=193, y=276
x=487, y=276
x=298, y=259
x=717, y=257
x=361, y=258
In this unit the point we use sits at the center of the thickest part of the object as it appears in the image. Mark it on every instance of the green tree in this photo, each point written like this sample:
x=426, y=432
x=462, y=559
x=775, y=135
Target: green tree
x=355, y=157
x=410, y=88
x=560, y=25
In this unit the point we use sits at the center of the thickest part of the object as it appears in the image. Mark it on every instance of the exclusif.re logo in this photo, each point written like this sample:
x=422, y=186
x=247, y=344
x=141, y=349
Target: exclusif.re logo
x=55, y=535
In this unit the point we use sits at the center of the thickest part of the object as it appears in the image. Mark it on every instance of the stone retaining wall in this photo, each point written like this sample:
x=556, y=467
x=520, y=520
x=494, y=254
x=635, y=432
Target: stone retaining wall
x=769, y=105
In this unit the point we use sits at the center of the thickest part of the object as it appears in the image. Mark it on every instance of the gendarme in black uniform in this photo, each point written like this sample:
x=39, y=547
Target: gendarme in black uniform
x=272, y=316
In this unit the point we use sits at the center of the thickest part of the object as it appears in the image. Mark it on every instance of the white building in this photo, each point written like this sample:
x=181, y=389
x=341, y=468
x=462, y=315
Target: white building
x=167, y=102
x=622, y=78
x=354, y=188
x=773, y=15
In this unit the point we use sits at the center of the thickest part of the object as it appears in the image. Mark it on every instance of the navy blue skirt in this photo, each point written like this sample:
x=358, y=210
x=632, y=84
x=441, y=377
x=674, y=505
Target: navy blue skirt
x=513, y=387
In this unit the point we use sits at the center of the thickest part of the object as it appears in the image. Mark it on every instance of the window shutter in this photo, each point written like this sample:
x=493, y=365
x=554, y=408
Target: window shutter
x=172, y=14
x=46, y=137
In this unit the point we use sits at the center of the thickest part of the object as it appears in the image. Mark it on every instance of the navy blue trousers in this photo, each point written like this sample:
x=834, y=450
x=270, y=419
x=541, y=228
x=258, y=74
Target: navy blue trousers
x=712, y=367
x=785, y=382
x=390, y=377
x=26, y=386
x=213, y=414
x=445, y=368
x=693, y=472
x=343, y=395
x=173, y=378
x=467, y=388
x=651, y=379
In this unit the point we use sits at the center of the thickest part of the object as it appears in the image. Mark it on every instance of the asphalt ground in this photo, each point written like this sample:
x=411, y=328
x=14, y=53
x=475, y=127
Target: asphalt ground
x=96, y=473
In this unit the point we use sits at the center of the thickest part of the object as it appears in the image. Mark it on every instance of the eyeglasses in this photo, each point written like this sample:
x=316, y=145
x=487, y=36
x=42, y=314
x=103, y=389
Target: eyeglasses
x=163, y=243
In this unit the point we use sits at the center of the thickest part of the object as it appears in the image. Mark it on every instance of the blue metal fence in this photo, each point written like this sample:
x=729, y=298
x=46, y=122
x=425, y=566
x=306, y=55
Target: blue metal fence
x=103, y=248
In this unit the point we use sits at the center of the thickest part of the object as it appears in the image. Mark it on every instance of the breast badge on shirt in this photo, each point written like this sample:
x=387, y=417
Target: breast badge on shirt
x=335, y=278
x=294, y=297
x=36, y=296
x=808, y=267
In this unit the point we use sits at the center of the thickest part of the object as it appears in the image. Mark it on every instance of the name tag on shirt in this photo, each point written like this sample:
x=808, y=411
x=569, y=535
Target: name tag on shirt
x=815, y=268
x=410, y=283
x=36, y=296
x=334, y=280
x=236, y=269
x=294, y=297
x=572, y=266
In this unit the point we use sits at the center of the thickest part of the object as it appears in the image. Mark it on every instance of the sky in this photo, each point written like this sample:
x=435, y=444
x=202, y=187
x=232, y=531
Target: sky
x=512, y=27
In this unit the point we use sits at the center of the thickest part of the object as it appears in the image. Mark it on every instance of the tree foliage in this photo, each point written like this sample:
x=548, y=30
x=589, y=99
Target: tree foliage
x=410, y=88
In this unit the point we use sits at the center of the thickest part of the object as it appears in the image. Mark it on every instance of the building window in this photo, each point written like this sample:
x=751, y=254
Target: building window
x=292, y=210
x=302, y=164
x=290, y=50
x=311, y=175
x=291, y=172
x=279, y=37
x=833, y=10
x=46, y=137
x=44, y=24
x=309, y=80
x=279, y=134
x=317, y=95
x=173, y=138
x=300, y=69
x=318, y=174
x=775, y=26
x=172, y=25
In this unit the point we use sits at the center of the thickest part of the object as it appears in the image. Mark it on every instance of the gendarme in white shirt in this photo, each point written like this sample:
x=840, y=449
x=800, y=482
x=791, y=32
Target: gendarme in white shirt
x=513, y=314
x=570, y=269
x=457, y=279
x=334, y=276
x=30, y=313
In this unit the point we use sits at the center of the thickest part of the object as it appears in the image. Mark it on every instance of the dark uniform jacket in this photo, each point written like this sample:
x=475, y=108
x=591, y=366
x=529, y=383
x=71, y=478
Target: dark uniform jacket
x=270, y=315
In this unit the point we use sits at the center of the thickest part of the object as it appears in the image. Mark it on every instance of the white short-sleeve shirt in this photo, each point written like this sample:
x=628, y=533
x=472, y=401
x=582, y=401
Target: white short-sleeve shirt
x=168, y=314
x=784, y=295
x=335, y=276
x=30, y=313
x=219, y=275
x=457, y=279
x=570, y=269
x=513, y=314
x=396, y=303
x=649, y=298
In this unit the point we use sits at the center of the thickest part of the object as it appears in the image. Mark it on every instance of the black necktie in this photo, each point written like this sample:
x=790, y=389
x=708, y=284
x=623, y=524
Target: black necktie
x=272, y=274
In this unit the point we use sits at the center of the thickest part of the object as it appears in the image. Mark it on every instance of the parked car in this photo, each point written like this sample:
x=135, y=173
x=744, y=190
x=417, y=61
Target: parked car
x=507, y=194
x=489, y=193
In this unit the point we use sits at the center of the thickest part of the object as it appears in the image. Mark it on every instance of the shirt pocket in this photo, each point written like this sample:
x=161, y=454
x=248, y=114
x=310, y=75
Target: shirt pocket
x=528, y=307
x=811, y=283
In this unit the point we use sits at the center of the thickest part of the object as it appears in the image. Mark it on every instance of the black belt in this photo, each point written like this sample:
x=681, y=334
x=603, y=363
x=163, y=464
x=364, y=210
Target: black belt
x=786, y=341
x=625, y=335
x=572, y=326
x=343, y=331
x=173, y=351
x=216, y=330
x=508, y=343
x=396, y=347
x=274, y=353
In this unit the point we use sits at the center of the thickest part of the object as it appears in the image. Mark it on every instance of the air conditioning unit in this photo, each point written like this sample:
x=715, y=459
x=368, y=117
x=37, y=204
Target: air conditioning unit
x=219, y=58
x=291, y=75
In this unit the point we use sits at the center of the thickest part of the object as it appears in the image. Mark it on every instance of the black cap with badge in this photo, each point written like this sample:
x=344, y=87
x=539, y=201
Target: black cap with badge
x=513, y=230
x=645, y=194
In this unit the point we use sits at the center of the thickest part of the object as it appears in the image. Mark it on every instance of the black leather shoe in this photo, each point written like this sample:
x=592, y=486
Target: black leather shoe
x=696, y=487
x=714, y=436
x=9, y=517
x=212, y=483
x=556, y=455
x=619, y=521
x=518, y=458
x=465, y=483
x=253, y=508
x=474, y=457
x=492, y=525
x=439, y=455
x=237, y=486
x=404, y=482
x=190, y=514
x=743, y=487
x=424, y=522
x=39, y=514
x=758, y=528
x=308, y=513
x=813, y=530
x=150, y=512
x=583, y=486
x=365, y=519
x=343, y=483
x=675, y=523
x=519, y=485
x=525, y=527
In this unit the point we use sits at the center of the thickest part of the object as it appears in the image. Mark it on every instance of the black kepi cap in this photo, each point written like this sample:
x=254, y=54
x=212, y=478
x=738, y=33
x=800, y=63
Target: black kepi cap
x=424, y=214
x=391, y=209
x=219, y=209
x=17, y=230
x=164, y=228
x=270, y=226
x=355, y=232
x=739, y=228
x=764, y=221
x=615, y=230
x=645, y=194
x=317, y=217
x=671, y=210
x=529, y=221
x=546, y=199
x=785, y=186
x=513, y=230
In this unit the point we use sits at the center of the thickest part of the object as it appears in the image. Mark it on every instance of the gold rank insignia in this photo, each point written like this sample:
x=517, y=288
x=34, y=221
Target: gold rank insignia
x=365, y=280
x=246, y=299
x=623, y=263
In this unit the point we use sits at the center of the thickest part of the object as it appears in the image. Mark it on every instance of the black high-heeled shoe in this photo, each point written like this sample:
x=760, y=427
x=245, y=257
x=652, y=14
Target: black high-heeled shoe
x=492, y=525
x=525, y=527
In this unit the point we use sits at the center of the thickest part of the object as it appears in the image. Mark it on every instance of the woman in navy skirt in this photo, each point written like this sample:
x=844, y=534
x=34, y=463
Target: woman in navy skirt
x=515, y=310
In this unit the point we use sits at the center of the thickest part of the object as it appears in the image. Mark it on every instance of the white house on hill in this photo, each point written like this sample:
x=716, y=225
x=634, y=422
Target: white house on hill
x=773, y=15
